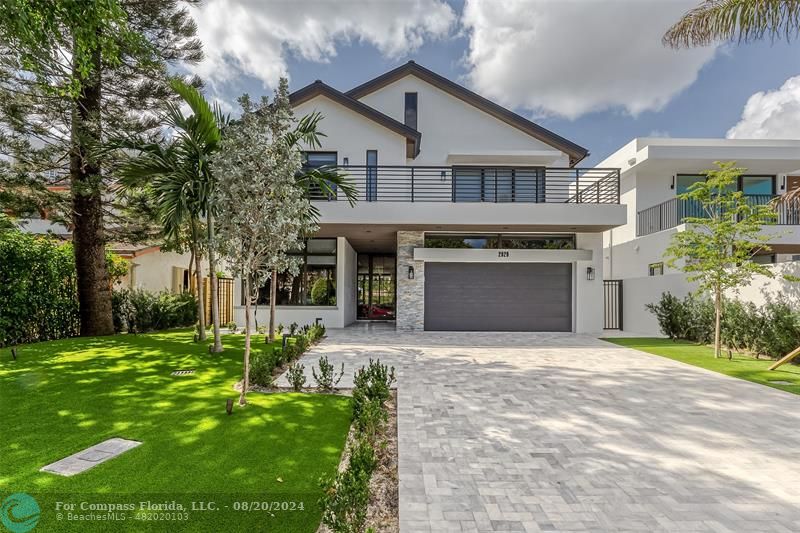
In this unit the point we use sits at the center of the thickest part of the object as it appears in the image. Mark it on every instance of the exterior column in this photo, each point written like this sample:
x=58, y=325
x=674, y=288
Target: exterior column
x=410, y=292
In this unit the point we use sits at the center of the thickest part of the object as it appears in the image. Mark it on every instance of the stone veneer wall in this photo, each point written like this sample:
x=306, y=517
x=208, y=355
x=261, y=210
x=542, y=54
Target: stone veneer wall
x=410, y=292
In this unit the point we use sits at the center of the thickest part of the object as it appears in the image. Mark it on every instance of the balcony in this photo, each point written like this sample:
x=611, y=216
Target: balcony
x=481, y=184
x=675, y=211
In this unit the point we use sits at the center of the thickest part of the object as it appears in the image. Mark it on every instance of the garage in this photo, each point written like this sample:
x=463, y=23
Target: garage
x=498, y=296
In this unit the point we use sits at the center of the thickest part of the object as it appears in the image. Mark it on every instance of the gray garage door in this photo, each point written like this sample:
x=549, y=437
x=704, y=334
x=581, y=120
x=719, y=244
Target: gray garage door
x=498, y=296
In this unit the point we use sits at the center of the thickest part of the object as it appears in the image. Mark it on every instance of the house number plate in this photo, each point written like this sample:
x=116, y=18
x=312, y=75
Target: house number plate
x=503, y=253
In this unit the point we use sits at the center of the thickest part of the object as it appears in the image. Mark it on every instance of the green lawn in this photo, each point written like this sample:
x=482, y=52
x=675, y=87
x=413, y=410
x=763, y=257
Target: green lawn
x=63, y=396
x=741, y=366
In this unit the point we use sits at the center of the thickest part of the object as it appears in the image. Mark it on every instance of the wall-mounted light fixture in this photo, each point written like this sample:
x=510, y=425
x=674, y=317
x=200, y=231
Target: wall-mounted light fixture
x=590, y=273
x=783, y=183
x=345, y=161
x=410, y=272
x=672, y=185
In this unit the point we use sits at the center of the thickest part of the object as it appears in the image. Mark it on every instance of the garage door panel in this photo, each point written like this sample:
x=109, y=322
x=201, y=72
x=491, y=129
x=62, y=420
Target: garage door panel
x=498, y=297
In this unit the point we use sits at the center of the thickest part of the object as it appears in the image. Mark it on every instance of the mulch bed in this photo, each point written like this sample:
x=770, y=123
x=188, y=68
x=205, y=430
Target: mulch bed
x=382, y=513
x=383, y=510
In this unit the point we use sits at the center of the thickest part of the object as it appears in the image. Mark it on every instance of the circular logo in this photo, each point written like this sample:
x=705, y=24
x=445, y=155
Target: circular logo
x=20, y=513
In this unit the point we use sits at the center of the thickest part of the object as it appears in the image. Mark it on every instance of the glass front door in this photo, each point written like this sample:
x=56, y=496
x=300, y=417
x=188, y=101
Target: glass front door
x=376, y=286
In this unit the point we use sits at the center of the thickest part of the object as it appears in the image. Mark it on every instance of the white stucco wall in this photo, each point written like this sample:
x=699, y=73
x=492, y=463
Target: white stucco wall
x=351, y=134
x=153, y=271
x=588, y=316
x=630, y=259
x=449, y=125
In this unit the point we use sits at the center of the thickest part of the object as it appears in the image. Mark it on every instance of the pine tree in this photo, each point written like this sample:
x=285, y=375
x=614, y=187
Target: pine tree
x=73, y=75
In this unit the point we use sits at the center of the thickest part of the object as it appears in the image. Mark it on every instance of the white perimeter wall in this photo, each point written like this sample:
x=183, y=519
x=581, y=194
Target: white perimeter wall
x=637, y=292
x=338, y=316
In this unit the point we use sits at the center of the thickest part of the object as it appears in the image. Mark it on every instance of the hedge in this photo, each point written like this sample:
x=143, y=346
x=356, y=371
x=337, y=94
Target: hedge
x=37, y=289
x=772, y=329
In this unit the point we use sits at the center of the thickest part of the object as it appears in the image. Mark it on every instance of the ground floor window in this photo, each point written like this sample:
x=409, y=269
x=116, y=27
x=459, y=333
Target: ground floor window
x=314, y=284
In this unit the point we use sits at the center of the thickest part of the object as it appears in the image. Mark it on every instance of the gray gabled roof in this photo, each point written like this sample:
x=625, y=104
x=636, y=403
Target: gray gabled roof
x=318, y=88
x=575, y=152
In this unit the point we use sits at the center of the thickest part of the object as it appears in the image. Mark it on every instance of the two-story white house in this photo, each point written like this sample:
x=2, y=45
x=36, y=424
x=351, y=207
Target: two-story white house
x=654, y=171
x=469, y=216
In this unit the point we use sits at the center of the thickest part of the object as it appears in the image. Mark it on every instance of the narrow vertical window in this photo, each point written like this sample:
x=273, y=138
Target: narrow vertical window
x=411, y=110
x=372, y=175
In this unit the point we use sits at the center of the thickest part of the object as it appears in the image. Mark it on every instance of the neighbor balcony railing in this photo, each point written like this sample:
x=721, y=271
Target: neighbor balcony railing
x=481, y=184
x=675, y=211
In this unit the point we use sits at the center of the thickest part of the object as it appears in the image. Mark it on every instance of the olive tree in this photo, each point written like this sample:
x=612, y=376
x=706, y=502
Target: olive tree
x=717, y=247
x=263, y=212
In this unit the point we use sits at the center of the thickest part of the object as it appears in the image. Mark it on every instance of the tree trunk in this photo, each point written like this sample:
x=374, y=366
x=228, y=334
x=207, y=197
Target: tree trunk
x=273, y=295
x=94, y=289
x=191, y=263
x=198, y=272
x=246, y=372
x=212, y=269
x=717, y=320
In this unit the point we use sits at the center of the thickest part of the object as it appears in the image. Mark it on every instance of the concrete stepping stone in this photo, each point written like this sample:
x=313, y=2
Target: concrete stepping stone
x=90, y=457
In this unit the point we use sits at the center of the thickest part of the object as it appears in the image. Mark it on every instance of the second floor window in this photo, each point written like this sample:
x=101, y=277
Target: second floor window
x=655, y=269
x=320, y=159
x=410, y=118
x=317, y=160
x=750, y=185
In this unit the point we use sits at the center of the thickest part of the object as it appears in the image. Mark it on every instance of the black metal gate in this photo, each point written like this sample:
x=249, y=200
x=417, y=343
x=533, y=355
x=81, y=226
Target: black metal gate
x=612, y=300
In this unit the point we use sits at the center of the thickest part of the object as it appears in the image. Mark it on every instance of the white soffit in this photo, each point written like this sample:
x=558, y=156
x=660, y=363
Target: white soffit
x=459, y=255
x=505, y=157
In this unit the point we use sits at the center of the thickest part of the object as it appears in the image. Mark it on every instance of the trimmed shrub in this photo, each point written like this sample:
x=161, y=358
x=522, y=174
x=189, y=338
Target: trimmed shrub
x=327, y=379
x=372, y=416
x=296, y=376
x=262, y=367
x=371, y=383
x=346, y=495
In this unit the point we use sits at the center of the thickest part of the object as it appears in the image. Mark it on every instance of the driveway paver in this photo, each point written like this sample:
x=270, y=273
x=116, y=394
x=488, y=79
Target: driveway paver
x=559, y=432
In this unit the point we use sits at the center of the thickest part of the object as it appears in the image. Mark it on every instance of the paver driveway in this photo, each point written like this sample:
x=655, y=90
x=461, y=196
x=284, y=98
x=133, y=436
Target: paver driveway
x=548, y=432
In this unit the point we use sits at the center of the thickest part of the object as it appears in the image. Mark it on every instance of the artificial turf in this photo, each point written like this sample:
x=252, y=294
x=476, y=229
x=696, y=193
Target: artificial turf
x=741, y=366
x=63, y=396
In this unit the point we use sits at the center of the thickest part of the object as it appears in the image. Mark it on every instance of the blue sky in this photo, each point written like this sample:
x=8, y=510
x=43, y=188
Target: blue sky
x=613, y=83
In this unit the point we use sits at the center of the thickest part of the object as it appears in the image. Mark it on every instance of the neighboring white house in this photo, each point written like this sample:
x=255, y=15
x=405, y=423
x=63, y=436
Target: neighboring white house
x=469, y=217
x=654, y=172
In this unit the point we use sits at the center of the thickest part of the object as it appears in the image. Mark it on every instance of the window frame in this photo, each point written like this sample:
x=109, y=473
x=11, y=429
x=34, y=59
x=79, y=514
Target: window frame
x=739, y=181
x=497, y=240
x=655, y=269
x=303, y=269
x=413, y=120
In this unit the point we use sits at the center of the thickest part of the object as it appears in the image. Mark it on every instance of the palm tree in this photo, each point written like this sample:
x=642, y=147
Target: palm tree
x=735, y=20
x=179, y=175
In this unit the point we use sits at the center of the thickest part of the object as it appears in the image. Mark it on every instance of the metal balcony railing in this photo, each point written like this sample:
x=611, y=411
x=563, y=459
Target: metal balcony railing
x=481, y=184
x=675, y=211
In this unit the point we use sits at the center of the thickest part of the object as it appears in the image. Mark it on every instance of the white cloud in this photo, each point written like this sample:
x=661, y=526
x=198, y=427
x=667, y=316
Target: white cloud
x=569, y=57
x=253, y=37
x=771, y=114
